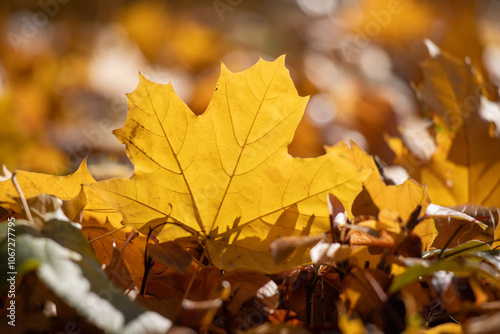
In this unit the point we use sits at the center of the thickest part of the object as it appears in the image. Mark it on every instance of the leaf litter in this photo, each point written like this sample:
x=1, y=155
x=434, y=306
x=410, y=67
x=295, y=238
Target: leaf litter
x=236, y=234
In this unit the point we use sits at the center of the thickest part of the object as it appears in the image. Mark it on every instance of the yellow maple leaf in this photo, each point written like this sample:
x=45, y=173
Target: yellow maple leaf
x=65, y=188
x=377, y=196
x=226, y=175
x=465, y=168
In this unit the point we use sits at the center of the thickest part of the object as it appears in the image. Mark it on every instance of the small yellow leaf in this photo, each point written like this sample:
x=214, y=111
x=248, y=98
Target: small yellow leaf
x=34, y=184
x=378, y=196
x=65, y=188
x=351, y=326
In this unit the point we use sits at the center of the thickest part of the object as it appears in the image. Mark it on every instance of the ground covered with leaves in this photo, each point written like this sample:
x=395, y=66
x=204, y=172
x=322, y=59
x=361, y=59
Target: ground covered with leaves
x=221, y=230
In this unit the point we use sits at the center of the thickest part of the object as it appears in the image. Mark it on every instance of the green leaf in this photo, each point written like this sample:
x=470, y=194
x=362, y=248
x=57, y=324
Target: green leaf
x=461, y=268
x=471, y=246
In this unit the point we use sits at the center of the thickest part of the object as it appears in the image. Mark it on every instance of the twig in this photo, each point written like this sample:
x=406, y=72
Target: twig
x=449, y=240
x=120, y=258
x=194, y=275
x=23, y=199
x=310, y=287
x=148, y=264
x=106, y=234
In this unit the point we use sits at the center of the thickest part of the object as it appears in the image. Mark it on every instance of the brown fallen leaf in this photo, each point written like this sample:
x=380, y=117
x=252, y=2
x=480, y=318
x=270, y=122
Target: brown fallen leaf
x=107, y=249
x=170, y=254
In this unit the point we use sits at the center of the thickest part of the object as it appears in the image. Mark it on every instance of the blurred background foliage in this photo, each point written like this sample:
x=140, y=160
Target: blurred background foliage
x=65, y=66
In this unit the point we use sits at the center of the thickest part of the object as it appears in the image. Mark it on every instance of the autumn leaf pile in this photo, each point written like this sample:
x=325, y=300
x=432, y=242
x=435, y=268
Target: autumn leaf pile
x=220, y=229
